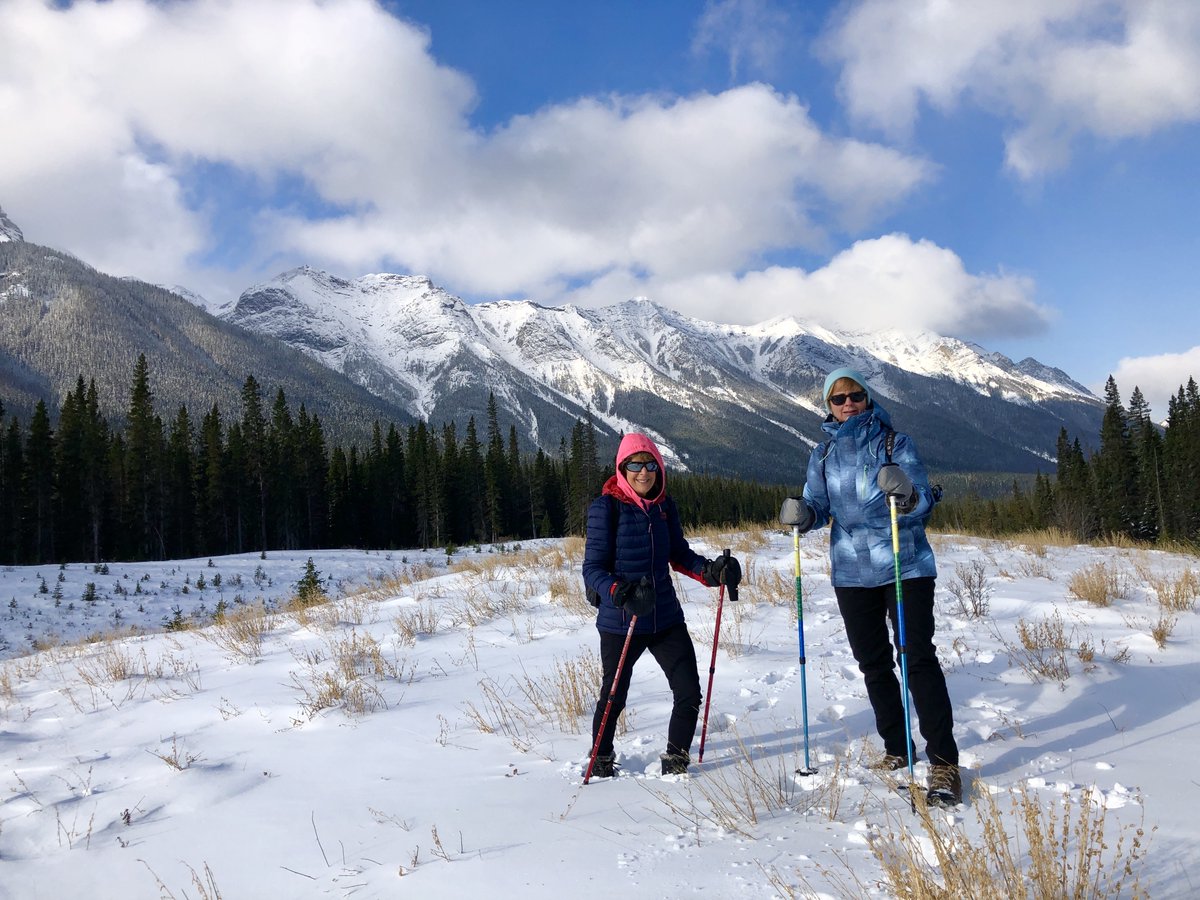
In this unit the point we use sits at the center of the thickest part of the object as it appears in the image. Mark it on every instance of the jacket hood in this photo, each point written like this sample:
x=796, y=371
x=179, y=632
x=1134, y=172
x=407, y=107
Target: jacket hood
x=618, y=485
x=844, y=372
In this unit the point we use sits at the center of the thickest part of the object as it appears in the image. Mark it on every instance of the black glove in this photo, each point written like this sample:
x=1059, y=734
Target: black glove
x=724, y=570
x=635, y=597
x=893, y=482
x=797, y=513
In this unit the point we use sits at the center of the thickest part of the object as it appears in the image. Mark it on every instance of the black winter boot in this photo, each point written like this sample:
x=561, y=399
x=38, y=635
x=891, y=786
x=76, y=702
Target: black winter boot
x=675, y=763
x=605, y=766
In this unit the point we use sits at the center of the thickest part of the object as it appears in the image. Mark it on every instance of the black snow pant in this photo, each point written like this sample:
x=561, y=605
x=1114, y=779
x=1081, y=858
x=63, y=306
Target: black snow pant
x=673, y=650
x=865, y=612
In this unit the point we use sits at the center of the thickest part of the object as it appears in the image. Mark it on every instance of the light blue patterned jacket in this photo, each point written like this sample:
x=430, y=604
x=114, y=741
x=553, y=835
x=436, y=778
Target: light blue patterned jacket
x=841, y=490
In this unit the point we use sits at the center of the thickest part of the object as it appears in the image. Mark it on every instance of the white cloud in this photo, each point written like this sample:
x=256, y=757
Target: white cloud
x=751, y=33
x=1052, y=68
x=886, y=282
x=1158, y=377
x=346, y=100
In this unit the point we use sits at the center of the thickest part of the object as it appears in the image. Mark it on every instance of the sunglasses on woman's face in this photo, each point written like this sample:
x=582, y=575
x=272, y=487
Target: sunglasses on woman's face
x=650, y=466
x=853, y=397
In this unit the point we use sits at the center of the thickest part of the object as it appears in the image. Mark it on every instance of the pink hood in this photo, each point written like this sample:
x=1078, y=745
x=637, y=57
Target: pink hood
x=619, y=487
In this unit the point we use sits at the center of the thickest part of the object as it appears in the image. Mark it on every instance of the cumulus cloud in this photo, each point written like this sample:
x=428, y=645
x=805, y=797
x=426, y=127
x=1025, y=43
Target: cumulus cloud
x=1053, y=69
x=1159, y=378
x=887, y=282
x=126, y=106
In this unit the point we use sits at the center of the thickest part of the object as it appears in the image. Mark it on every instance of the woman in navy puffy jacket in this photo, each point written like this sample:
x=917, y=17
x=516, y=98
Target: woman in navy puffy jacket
x=627, y=569
x=851, y=477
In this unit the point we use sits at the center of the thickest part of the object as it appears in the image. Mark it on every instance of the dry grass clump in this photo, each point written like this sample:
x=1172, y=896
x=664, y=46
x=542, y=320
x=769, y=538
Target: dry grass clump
x=1038, y=541
x=567, y=693
x=1178, y=594
x=776, y=587
x=1042, y=650
x=1041, y=850
x=417, y=621
x=1098, y=584
x=242, y=631
x=113, y=673
x=480, y=606
x=567, y=590
x=1161, y=629
x=970, y=588
x=749, y=788
x=1037, y=567
x=565, y=696
x=572, y=548
x=347, y=677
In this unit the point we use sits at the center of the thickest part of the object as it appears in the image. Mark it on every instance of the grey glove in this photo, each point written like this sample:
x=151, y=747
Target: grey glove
x=893, y=482
x=796, y=512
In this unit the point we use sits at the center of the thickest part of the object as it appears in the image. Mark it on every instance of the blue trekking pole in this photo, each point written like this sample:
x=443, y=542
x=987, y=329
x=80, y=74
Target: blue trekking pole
x=808, y=769
x=902, y=651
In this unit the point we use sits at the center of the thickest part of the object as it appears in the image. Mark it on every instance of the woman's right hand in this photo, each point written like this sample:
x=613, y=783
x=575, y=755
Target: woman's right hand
x=796, y=513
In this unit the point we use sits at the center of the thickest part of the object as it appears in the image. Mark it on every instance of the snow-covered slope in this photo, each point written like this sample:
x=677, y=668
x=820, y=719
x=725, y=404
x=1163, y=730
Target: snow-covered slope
x=639, y=365
x=8, y=229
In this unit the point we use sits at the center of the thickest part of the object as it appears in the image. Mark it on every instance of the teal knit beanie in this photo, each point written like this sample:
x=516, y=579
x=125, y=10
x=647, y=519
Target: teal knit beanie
x=844, y=372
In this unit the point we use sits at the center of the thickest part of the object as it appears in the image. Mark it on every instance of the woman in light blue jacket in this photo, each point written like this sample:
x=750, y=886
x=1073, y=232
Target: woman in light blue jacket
x=851, y=477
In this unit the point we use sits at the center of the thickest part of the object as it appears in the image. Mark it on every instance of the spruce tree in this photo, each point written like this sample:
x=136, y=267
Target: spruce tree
x=38, y=486
x=143, y=468
x=1113, y=469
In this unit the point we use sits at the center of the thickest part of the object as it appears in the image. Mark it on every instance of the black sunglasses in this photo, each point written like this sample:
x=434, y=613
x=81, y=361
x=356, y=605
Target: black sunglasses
x=853, y=397
x=650, y=466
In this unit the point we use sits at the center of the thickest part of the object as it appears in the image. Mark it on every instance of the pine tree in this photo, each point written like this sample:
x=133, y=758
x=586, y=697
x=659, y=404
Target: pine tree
x=473, y=484
x=69, y=512
x=38, y=486
x=281, y=476
x=254, y=437
x=1147, y=455
x=1074, y=501
x=495, y=470
x=143, y=468
x=212, y=486
x=12, y=462
x=313, y=477
x=310, y=588
x=180, y=481
x=1113, y=470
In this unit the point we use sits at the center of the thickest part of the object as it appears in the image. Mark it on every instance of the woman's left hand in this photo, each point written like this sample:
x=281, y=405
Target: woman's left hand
x=724, y=570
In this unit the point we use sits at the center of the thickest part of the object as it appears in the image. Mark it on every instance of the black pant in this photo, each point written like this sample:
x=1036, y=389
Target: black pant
x=865, y=610
x=673, y=650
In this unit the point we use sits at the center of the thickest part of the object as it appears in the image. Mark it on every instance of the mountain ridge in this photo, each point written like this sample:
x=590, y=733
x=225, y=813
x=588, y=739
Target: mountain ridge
x=637, y=365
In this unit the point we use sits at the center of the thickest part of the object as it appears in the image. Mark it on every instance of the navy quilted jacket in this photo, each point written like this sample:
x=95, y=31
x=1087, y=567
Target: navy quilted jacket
x=648, y=541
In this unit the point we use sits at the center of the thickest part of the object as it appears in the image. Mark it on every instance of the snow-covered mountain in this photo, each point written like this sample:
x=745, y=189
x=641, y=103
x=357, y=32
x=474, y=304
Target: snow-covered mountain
x=726, y=398
x=8, y=229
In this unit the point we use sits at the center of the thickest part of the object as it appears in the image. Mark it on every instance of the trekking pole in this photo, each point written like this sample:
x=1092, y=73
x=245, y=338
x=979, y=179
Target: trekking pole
x=611, y=694
x=808, y=769
x=712, y=666
x=903, y=652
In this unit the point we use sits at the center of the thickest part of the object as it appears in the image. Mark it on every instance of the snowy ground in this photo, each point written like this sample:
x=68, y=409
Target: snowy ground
x=425, y=738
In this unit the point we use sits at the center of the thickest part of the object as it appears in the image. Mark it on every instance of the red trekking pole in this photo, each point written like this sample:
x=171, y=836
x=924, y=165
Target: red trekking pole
x=712, y=666
x=611, y=694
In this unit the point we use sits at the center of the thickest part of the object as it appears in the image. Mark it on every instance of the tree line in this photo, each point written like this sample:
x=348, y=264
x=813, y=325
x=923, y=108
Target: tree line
x=269, y=479
x=1142, y=482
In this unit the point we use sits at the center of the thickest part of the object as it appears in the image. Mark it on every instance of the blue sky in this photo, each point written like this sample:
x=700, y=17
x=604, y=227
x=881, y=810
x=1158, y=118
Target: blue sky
x=1016, y=174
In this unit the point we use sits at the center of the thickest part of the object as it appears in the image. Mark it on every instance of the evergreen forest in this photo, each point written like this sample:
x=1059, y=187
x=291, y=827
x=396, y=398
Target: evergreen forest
x=1141, y=483
x=269, y=479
